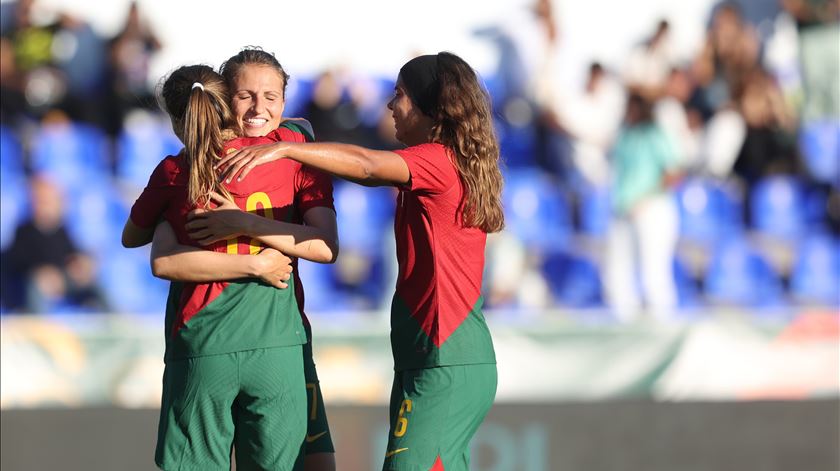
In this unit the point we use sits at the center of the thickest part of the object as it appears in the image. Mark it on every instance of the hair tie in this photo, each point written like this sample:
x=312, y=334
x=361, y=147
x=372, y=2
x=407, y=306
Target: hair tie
x=198, y=85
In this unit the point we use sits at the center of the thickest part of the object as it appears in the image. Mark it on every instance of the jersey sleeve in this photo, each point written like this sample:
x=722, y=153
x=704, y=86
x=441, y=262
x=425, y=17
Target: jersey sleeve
x=430, y=168
x=313, y=189
x=155, y=198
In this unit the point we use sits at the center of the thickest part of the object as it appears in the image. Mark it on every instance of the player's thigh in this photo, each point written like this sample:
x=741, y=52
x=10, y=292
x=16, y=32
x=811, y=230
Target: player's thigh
x=318, y=438
x=196, y=428
x=434, y=414
x=271, y=409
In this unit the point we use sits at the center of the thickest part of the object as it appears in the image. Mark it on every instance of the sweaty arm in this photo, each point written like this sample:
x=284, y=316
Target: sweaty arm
x=173, y=261
x=359, y=164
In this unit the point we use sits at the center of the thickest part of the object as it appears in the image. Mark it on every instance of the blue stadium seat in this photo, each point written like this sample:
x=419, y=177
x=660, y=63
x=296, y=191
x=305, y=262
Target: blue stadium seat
x=574, y=281
x=595, y=210
x=738, y=275
x=495, y=86
x=709, y=210
x=326, y=291
x=364, y=215
x=536, y=211
x=11, y=155
x=815, y=278
x=688, y=293
x=141, y=146
x=777, y=207
x=128, y=284
x=298, y=94
x=518, y=144
x=14, y=207
x=72, y=154
x=819, y=143
x=95, y=215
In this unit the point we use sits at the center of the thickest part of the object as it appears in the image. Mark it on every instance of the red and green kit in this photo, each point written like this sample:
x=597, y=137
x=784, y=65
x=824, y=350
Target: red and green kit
x=230, y=316
x=443, y=353
x=233, y=348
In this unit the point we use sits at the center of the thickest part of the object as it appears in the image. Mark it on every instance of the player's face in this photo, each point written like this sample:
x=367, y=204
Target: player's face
x=411, y=125
x=257, y=99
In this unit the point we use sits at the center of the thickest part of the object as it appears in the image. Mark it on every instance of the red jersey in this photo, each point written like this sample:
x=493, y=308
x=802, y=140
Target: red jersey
x=436, y=316
x=283, y=190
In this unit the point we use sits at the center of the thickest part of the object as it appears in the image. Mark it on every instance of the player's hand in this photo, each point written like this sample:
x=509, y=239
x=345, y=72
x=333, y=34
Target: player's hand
x=238, y=164
x=275, y=267
x=225, y=221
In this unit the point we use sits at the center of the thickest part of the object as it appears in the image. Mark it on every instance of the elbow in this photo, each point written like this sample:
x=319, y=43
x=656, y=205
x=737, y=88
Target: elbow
x=129, y=242
x=161, y=268
x=369, y=168
x=326, y=252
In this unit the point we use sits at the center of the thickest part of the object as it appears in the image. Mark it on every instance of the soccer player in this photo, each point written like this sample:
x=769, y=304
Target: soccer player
x=234, y=373
x=257, y=82
x=449, y=186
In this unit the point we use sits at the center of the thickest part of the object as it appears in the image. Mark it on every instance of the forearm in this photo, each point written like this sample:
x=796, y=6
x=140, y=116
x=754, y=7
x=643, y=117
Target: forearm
x=295, y=240
x=197, y=265
x=347, y=161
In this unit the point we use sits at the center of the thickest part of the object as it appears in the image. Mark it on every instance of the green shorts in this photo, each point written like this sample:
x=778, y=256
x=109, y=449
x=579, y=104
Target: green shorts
x=318, y=438
x=253, y=400
x=434, y=414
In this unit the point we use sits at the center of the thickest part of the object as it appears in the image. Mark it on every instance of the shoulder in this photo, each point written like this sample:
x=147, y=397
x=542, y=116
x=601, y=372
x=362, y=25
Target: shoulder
x=291, y=132
x=170, y=171
x=429, y=150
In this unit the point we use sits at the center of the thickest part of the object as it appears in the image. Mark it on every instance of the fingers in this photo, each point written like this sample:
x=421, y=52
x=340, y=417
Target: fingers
x=195, y=224
x=236, y=168
x=204, y=236
x=197, y=213
x=247, y=170
x=220, y=199
x=228, y=159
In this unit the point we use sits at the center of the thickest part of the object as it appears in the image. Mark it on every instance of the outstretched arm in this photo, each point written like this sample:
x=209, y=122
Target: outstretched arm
x=362, y=165
x=172, y=261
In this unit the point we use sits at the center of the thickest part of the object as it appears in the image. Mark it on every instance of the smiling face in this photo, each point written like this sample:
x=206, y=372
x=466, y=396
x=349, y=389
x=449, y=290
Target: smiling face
x=257, y=99
x=411, y=125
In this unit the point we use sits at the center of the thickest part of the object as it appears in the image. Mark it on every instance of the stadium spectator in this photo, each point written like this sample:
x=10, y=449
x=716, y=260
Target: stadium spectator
x=649, y=64
x=644, y=230
x=130, y=52
x=44, y=265
x=770, y=143
x=818, y=28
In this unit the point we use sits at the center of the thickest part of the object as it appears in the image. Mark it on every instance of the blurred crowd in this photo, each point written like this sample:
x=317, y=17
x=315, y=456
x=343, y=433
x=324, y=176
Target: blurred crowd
x=659, y=186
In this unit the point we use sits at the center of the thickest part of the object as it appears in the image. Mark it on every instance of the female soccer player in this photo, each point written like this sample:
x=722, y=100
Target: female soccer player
x=257, y=83
x=234, y=373
x=449, y=199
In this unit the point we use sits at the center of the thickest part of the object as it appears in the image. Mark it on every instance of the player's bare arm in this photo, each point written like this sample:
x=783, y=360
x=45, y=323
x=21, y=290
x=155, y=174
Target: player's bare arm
x=317, y=241
x=135, y=236
x=173, y=261
x=359, y=164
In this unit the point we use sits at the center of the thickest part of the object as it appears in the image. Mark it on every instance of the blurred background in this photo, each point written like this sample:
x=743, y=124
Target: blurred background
x=695, y=329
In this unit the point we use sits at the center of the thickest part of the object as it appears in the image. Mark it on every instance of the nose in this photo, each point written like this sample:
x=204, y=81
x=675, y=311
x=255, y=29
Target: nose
x=391, y=103
x=258, y=104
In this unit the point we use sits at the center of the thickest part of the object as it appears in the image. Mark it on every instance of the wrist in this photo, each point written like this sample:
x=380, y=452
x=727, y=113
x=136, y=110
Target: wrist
x=256, y=265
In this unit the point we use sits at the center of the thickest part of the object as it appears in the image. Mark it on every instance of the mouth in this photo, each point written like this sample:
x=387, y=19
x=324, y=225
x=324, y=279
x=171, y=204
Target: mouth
x=254, y=122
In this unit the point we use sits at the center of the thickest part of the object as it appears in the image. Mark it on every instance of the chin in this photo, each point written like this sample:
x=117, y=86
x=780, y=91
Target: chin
x=254, y=132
